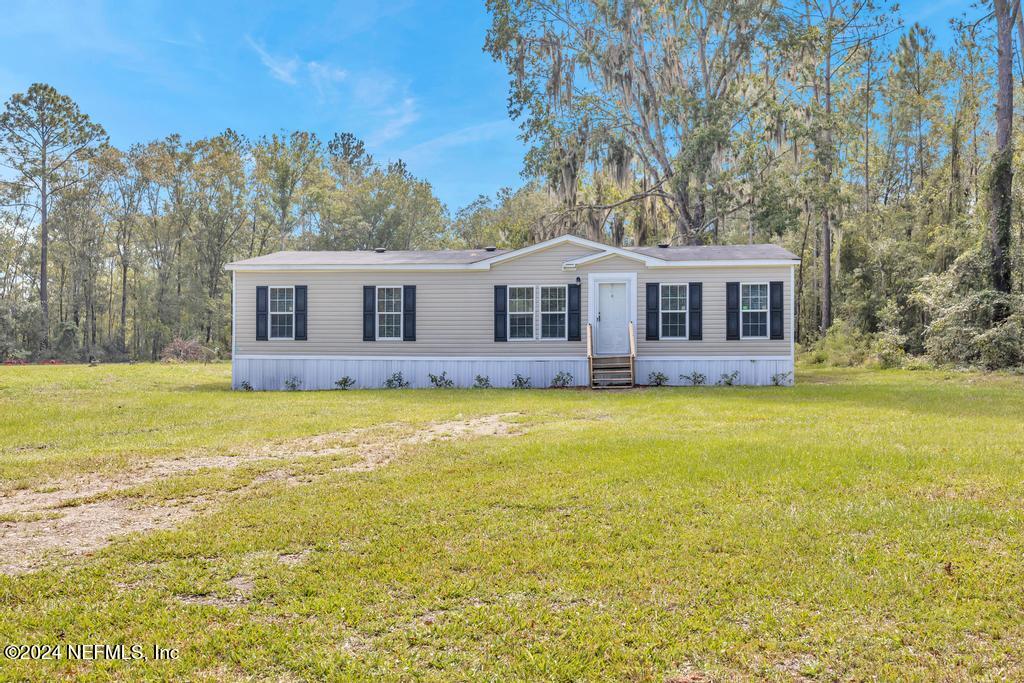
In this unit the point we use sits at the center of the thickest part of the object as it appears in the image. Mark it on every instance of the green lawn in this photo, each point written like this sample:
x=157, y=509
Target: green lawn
x=863, y=524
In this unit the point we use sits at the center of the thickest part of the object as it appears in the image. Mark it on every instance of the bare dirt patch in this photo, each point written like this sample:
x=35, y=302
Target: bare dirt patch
x=63, y=516
x=241, y=586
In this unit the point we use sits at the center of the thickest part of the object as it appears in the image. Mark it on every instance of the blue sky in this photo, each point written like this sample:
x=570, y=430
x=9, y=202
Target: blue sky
x=407, y=76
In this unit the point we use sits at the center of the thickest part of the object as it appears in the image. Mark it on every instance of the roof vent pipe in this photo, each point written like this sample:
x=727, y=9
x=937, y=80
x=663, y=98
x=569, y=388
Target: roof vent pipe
x=380, y=250
x=490, y=248
x=663, y=245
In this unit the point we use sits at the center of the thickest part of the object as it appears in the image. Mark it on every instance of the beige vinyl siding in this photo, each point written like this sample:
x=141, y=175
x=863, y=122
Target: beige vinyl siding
x=455, y=309
x=713, y=306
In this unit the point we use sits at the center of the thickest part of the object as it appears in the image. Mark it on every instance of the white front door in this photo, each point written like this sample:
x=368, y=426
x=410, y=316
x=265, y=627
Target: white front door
x=612, y=334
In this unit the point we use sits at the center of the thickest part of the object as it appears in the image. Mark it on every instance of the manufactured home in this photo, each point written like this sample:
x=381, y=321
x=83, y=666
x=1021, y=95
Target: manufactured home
x=606, y=316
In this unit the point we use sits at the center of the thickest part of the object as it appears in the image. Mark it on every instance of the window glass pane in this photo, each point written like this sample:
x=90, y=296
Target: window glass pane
x=673, y=297
x=520, y=326
x=755, y=324
x=552, y=325
x=281, y=325
x=389, y=325
x=520, y=299
x=389, y=299
x=673, y=324
x=755, y=298
x=552, y=299
x=281, y=300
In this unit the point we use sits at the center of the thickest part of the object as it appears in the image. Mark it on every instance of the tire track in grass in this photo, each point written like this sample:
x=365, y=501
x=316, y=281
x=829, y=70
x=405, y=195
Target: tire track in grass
x=67, y=518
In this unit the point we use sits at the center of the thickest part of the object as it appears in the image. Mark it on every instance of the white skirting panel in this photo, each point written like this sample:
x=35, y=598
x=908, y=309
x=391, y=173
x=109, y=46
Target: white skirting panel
x=268, y=374
x=758, y=371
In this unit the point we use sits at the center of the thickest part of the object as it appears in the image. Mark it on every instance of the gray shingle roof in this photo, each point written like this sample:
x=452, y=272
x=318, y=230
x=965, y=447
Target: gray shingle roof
x=718, y=252
x=366, y=258
x=739, y=252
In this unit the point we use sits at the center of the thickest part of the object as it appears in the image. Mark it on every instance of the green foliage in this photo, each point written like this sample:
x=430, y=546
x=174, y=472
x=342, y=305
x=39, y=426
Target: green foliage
x=293, y=384
x=971, y=325
x=345, y=383
x=482, y=382
x=395, y=381
x=562, y=380
x=441, y=381
x=657, y=379
x=843, y=346
x=520, y=382
x=695, y=378
x=728, y=379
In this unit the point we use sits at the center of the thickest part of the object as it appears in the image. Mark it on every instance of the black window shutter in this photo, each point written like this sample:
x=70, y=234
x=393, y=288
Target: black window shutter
x=408, y=312
x=369, y=313
x=653, y=308
x=500, y=309
x=732, y=311
x=775, y=310
x=574, y=313
x=261, y=314
x=694, y=319
x=300, y=312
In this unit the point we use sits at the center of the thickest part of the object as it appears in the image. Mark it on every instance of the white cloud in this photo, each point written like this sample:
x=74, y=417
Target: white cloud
x=283, y=69
x=324, y=76
x=397, y=120
x=428, y=150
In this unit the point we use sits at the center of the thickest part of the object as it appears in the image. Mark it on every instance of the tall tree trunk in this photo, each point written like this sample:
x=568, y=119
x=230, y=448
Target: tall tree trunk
x=867, y=136
x=44, y=239
x=826, y=219
x=124, y=304
x=1000, y=199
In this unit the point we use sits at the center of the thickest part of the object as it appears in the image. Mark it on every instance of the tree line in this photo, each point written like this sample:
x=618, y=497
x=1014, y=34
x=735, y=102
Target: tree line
x=826, y=126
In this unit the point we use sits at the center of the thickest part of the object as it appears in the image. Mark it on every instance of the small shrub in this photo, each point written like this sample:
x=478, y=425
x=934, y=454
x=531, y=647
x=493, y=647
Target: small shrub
x=441, y=381
x=186, y=351
x=843, y=346
x=395, y=381
x=728, y=380
x=293, y=384
x=520, y=382
x=345, y=383
x=782, y=379
x=562, y=380
x=245, y=386
x=695, y=378
x=482, y=382
x=917, y=363
x=657, y=379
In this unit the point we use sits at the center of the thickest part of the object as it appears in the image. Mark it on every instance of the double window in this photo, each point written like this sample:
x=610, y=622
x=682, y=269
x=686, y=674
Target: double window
x=523, y=308
x=389, y=313
x=754, y=310
x=282, y=312
x=673, y=311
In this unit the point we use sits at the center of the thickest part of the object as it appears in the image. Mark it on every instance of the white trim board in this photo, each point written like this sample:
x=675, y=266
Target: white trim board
x=639, y=356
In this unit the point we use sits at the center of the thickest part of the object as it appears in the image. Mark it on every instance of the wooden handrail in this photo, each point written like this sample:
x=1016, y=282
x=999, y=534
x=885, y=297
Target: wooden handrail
x=632, y=354
x=590, y=355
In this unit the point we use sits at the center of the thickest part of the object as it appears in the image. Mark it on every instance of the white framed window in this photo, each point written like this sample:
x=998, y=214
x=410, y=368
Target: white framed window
x=674, y=301
x=282, y=312
x=389, y=313
x=520, y=312
x=754, y=310
x=554, y=311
